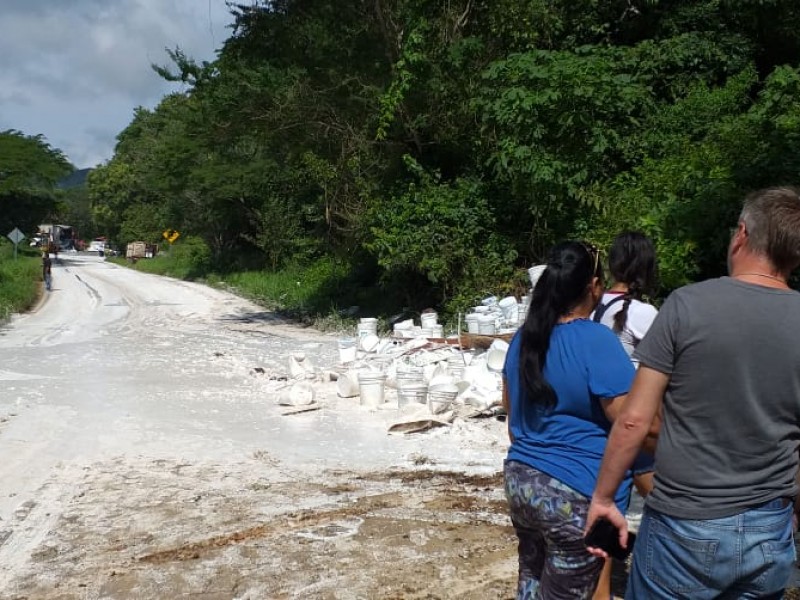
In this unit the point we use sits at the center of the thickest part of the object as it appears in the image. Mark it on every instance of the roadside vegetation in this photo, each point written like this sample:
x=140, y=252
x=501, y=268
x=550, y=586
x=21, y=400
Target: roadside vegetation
x=20, y=279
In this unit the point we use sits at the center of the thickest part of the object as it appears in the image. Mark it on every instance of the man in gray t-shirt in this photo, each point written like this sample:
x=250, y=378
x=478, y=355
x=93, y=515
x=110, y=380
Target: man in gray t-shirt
x=724, y=357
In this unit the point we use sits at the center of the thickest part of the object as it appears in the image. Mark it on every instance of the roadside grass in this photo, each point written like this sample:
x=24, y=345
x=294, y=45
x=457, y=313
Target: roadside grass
x=322, y=294
x=19, y=279
x=326, y=294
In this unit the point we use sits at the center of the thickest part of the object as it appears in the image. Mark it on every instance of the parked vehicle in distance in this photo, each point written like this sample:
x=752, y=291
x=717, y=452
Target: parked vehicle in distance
x=98, y=245
x=55, y=238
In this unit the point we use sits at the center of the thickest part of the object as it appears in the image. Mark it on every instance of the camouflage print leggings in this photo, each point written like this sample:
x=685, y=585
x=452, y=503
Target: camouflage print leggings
x=549, y=518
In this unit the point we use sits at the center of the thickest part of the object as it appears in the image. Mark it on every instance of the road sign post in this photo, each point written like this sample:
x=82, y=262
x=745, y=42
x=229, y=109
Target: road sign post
x=16, y=237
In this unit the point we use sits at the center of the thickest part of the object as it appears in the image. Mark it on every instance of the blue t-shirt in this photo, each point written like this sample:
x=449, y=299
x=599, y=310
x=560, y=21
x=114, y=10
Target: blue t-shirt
x=585, y=363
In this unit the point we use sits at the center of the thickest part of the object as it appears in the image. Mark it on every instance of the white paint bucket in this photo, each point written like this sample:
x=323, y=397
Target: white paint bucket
x=455, y=366
x=299, y=394
x=370, y=384
x=428, y=319
x=412, y=393
x=367, y=326
x=347, y=385
x=409, y=376
x=496, y=355
x=489, y=301
x=486, y=325
x=441, y=397
x=300, y=366
x=472, y=322
x=535, y=272
x=369, y=343
x=437, y=331
x=509, y=307
x=347, y=350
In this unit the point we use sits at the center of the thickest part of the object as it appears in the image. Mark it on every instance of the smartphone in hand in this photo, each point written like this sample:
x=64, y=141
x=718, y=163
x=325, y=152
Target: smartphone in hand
x=605, y=535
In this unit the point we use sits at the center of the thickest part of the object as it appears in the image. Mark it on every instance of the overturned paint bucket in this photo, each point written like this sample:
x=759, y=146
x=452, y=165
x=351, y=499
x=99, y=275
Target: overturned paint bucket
x=496, y=355
x=371, y=384
x=347, y=385
x=299, y=394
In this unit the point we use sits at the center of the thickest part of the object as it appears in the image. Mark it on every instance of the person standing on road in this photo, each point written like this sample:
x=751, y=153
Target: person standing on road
x=723, y=356
x=564, y=380
x=632, y=264
x=47, y=268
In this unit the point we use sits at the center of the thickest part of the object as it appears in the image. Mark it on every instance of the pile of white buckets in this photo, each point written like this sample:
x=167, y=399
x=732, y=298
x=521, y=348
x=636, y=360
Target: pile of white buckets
x=502, y=316
x=414, y=374
x=409, y=370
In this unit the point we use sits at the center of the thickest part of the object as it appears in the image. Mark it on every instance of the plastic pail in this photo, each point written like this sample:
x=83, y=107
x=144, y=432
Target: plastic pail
x=412, y=393
x=369, y=342
x=428, y=319
x=441, y=398
x=496, y=355
x=347, y=385
x=371, y=387
x=411, y=376
x=367, y=326
x=347, y=350
x=486, y=325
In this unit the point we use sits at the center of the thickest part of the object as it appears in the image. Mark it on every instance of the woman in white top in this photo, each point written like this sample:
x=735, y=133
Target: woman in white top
x=632, y=263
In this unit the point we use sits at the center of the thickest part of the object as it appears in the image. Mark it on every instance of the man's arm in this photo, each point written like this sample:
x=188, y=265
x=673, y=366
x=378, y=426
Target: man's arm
x=633, y=424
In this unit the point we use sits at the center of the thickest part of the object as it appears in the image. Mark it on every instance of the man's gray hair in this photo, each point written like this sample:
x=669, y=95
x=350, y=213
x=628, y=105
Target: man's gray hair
x=772, y=220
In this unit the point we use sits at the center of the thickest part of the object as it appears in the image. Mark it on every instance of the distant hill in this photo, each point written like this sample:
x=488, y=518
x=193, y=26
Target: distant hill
x=75, y=179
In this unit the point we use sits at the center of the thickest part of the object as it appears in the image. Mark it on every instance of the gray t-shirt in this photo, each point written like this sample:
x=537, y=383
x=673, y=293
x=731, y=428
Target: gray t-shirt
x=729, y=440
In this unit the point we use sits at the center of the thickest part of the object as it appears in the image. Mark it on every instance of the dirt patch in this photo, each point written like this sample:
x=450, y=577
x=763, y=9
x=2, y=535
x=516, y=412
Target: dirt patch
x=163, y=530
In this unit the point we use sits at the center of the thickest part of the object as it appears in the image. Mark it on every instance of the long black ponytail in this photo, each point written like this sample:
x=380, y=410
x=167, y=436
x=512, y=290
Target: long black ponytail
x=632, y=261
x=561, y=287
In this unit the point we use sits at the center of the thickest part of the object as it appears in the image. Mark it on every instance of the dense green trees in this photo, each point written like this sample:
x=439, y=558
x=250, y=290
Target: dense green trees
x=437, y=146
x=29, y=172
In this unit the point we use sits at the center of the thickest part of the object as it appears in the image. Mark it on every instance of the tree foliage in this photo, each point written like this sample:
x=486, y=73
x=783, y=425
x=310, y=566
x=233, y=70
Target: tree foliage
x=29, y=171
x=446, y=143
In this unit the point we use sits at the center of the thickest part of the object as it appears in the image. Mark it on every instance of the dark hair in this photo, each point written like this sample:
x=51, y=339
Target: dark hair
x=772, y=221
x=561, y=287
x=632, y=261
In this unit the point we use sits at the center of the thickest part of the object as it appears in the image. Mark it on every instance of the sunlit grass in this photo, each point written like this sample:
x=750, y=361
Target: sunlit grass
x=19, y=279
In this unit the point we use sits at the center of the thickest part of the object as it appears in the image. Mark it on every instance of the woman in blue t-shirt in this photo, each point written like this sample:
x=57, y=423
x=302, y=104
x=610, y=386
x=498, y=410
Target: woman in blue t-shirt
x=565, y=378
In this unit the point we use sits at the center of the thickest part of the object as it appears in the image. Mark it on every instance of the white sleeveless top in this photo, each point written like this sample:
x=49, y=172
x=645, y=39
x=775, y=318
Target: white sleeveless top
x=640, y=317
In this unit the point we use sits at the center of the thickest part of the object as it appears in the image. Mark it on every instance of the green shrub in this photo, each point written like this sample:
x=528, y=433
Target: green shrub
x=19, y=279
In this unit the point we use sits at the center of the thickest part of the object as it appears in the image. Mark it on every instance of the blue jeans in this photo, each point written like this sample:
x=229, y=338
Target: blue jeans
x=749, y=555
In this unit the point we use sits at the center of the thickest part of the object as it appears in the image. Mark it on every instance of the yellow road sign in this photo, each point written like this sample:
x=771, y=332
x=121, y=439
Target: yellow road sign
x=171, y=235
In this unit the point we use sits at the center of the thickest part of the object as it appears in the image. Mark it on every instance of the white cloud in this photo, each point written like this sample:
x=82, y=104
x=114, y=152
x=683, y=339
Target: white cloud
x=74, y=70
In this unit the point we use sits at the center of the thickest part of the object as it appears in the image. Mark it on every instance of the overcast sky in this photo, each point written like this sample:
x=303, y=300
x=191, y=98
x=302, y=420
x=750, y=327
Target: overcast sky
x=74, y=70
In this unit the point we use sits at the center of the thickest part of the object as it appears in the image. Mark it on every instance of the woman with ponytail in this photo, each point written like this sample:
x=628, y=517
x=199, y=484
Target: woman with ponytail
x=632, y=262
x=565, y=378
